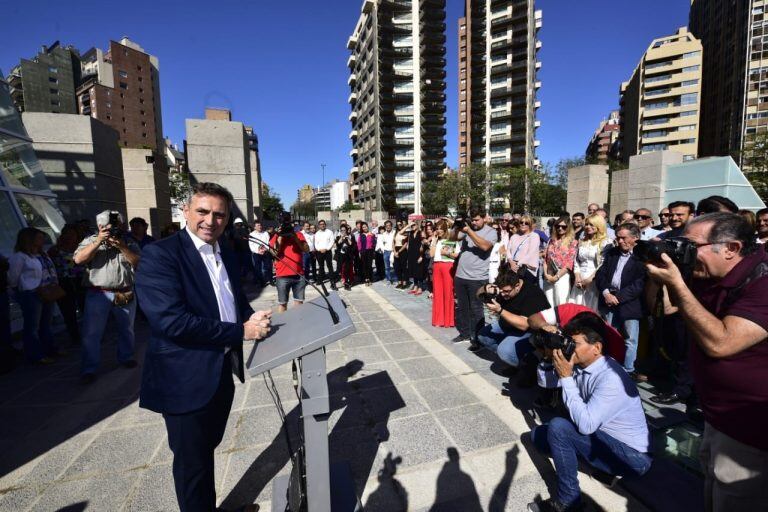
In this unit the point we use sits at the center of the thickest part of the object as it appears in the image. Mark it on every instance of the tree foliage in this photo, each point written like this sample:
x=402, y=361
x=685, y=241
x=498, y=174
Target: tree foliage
x=303, y=209
x=349, y=206
x=754, y=163
x=271, y=204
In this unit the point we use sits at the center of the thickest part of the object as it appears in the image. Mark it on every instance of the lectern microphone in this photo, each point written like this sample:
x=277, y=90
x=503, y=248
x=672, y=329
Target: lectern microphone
x=290, y=265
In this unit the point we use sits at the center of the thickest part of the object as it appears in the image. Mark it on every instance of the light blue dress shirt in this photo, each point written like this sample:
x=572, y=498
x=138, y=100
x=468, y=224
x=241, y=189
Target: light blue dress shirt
x=603, y=397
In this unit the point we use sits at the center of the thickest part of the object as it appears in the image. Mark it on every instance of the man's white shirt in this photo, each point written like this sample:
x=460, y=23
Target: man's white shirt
x=257, y=248
x=323, y=239
x=310, y=238
x=217, y=272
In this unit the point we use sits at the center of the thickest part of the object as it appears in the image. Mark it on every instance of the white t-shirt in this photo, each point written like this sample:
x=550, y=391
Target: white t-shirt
x=323, y=239
x=257, y=248
x=310, y=238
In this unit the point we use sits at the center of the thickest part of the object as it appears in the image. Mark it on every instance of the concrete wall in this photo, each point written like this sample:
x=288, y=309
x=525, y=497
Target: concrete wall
x=648, y=178
x=81, y=160
x=147, y=192
x=587, y=184
x=619, y=191
x=217, y=151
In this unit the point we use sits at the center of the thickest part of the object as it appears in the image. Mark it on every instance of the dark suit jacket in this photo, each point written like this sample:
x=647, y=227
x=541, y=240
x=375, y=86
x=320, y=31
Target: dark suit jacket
x=185, y=354
x=632, y=283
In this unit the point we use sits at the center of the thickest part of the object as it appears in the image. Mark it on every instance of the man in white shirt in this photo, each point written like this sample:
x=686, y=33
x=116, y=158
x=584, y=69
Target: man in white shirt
x=385, y=244
x=262, y=259
x=644, y=219
x=324, y=241
x=762, y=226
x=308, y=259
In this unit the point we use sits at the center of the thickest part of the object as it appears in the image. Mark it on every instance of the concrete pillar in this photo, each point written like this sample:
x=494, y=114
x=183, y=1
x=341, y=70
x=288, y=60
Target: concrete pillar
x=587, y=184
x=619, y=191
x=147, y=193
x=648, y=179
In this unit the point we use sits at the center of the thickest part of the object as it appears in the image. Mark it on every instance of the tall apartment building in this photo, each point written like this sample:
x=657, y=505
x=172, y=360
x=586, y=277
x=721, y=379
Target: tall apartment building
x=659, y=105
x=603, y=144
x=498, y=83
x=47, y=82
x=397, y=81
x=734, y=102
x=121, y=88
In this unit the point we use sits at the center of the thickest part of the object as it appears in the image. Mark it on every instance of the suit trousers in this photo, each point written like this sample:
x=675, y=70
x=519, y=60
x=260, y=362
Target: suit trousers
x=192, y=437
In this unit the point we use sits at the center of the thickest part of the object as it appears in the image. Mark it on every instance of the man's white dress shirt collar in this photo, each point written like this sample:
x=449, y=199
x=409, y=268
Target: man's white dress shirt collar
x=217, y=272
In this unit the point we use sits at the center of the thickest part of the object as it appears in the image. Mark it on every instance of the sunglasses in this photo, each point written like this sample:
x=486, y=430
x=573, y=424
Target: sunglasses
x=641, y=217
x=663, y=215
x=525, y=223
x=561, y=227
x=588, y=225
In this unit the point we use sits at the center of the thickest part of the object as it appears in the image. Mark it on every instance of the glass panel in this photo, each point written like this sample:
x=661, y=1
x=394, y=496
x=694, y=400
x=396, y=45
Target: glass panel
x=10, y=224
x=19, y=165
x=9, y=116
x=41, y=213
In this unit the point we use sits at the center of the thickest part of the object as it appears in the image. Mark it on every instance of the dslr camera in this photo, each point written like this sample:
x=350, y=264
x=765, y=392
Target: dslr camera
x=680, y=250
x=459, y=223
x=491, y=294
x=286, y=226
x=554, y=340
x=114, y=220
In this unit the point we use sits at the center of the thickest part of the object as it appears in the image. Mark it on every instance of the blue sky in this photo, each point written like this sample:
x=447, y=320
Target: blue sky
x=281, y=66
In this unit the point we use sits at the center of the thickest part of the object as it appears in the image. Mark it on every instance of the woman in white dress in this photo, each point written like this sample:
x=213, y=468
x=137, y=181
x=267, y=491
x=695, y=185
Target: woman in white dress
x=588, y=260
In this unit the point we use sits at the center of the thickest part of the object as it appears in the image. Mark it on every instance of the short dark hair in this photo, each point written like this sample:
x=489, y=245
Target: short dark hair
x=578, y=214
x=728, y=227
x=714, y=204
x=764, y=211
x=476, y=212
x=587, y=319
x=681, y=204
x=137, y=220
x=25, y=238
x=213, y=189
x=388, y=222
x=590, y=334
x=632, y=228
x=507, y=277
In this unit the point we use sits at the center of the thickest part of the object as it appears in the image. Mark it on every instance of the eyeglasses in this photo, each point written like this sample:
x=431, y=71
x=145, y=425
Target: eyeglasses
x=524, y=223
x=641, y=217
x=663, y=215
x=561, y=226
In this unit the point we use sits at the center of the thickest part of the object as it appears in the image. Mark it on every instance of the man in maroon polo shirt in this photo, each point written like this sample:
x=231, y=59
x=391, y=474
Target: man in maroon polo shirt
x=726, y=315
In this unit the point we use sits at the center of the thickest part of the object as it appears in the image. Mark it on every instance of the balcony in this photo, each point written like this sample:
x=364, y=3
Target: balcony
x=351, y=61
x=402, y=142
x=353, y=153
x=368, y=6
x=353, y=116
x=353, y=134
x=352, y=98
x=352, y=80
x=404, y=164
x=500, y=114
x=352, y=42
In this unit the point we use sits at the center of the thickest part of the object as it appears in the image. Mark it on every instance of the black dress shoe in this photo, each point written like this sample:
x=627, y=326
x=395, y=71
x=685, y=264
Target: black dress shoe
x=667, y=398
x=459, y=339
x=474, y=346
x=552, y=505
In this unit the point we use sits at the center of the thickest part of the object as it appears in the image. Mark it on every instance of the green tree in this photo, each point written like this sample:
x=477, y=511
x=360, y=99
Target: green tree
x=303, y=209
x=271, y=204
x=178, y=185
x=754, y=163
x=349, y=206
x=454, y=191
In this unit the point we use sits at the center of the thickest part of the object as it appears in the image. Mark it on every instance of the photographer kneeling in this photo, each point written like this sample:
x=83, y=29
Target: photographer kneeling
x=514, y=300
x=607, y=426
x=725, y=311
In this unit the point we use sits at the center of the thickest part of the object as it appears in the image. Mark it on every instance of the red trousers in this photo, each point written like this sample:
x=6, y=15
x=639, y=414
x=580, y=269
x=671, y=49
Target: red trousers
x=442, y=295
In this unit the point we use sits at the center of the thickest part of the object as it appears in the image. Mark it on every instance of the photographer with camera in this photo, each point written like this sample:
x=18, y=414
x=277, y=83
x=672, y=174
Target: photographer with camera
x=290, y=246
x=514, y=299
x=620, y=281
x=725, y=312
x=476, y=239
x=110, y=261
x=607, y=426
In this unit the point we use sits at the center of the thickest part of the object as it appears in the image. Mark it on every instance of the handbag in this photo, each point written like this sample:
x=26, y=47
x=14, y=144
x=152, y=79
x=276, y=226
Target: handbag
x=51, y=292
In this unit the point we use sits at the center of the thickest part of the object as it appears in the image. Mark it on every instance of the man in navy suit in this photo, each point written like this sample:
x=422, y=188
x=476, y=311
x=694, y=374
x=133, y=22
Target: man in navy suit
x=190, y=291
x=620, y=281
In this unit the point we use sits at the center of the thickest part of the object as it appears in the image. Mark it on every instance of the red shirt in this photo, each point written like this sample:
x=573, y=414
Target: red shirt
x=733, y=390
x=290, y=250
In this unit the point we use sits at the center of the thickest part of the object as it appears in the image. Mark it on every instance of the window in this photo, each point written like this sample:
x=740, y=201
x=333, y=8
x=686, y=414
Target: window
x=141, y=90
x=655, y=134
x=688, y=113
x=124, y=86
x=691, y=54
x=141, y=112
x=689, y=99
x=53, y=80
x=654, y=147
x=686, y=127
x=657, y=92
x=109, y=93
x=123, y=74
x=497, y=127
x=144, y=135
x=138, y=68
x=52, y=69
x=688, y=83
x=109, y=104
x=687, y=141
x=659, y=78
x=54, y=91
x=687, y=158
x=656, y=120
x=689, y=69
x=55, y=103
x=655, y=106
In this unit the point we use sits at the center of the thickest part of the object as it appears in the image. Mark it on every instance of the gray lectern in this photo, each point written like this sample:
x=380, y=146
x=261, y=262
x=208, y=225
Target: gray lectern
x=302, y=333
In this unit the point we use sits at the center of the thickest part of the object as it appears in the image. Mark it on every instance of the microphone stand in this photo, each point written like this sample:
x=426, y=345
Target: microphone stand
x=289, y=264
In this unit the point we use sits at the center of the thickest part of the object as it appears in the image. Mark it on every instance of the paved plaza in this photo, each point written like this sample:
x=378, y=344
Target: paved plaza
x=424, y=425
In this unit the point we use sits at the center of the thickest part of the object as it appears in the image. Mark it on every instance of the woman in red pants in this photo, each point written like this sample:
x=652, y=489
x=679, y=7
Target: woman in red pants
x=443, y=252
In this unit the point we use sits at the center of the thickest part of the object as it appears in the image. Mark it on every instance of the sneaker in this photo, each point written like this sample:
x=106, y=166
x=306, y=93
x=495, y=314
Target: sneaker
x=552, y=505
x=459, y=339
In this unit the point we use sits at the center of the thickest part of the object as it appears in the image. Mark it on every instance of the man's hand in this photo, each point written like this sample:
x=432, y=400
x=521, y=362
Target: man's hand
x=103, y=234
x=254, y=330
x=611, y=299
x=665, y=273
x=494, y=307
x=563, y=367
x=515, y=266
x=263, y=318
x=549, y=328
x=466, y=228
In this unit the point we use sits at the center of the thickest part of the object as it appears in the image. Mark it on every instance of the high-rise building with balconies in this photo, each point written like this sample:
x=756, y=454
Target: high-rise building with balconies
x=602, y=146
x=659, y=105
x=397, y=82
x=498, y=83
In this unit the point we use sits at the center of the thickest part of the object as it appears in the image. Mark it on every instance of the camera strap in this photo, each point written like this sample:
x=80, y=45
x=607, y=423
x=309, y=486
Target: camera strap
x=760, y=270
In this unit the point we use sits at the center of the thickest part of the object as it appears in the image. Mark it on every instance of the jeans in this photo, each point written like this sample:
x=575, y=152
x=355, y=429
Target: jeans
x=98, y=307
x=630, y=329
x=38, y=338
x=510, y=344
x=469, y=309
x=561, y=439
x=246, y=262
x=262, y=264
x=389, y=272
x=308, y=264
x=295, y=284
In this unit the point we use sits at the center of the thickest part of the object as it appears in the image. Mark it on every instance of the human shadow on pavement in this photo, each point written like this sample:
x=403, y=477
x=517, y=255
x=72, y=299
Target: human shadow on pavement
x=390, y=495
x=355, y=437
x=455, y=489
x=500, y=494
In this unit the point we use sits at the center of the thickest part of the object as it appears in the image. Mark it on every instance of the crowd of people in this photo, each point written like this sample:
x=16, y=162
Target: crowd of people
x=569, y=306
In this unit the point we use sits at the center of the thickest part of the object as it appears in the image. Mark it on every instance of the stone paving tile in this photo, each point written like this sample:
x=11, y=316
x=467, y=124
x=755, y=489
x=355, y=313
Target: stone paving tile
x=444, y=393
x=131, y=415
x=93, y=493
x=475, y=427
x=119, y=450
x=393, y=402
x=365, y=339
x=53, y=463
x=422, y=368
x=258, y=394
x=155, y=491
x=382, y=325
x=405, y=350
x=428, y=446
x=370, y=355
x=19, y=497
x=376, y=375
x=394, y=336
x=260, y=425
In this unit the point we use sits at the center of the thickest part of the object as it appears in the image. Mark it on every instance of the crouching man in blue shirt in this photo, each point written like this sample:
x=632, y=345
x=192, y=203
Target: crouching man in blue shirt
x=607, y=428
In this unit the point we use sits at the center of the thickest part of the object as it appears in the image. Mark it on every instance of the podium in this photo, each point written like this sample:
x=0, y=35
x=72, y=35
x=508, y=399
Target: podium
x=302, y=333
